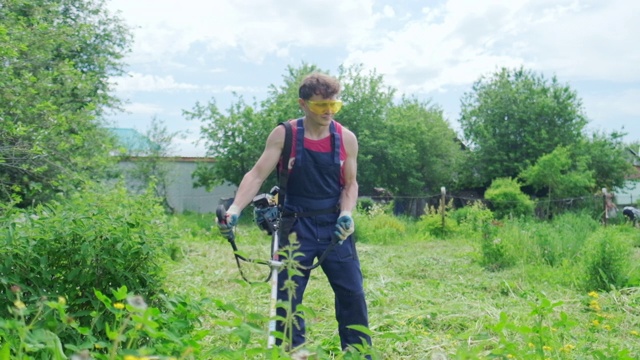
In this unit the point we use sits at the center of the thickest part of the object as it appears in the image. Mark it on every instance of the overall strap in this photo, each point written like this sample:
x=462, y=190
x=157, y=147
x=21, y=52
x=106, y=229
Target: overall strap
x=299, y=141
x=335, y=137
x=283, y=168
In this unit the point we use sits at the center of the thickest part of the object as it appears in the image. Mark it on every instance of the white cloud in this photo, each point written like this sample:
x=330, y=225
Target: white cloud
x=388, y=11
x=241, y=89
x=135, y=82
x=623, y=104
x=459, y=41
x=227, y=46
x=143, y=108
x=595, y=41
x=257, y=27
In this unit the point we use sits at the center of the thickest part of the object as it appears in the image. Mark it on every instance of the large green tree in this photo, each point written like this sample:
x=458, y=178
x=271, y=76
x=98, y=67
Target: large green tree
x=57, y=57
x=607, y=157
x=515, y=116
x=236, y=138
x=407, y=147
x=561, y=174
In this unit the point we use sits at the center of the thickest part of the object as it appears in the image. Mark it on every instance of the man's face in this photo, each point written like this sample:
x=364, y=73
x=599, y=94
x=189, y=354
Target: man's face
x=318, y=107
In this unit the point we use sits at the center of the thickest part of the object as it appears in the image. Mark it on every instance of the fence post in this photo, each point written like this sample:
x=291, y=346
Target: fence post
x=443, y=193
x=604, y=203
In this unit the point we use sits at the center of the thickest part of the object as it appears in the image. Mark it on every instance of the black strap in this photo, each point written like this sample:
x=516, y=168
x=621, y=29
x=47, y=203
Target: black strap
x=331, y=210
x=283, y=166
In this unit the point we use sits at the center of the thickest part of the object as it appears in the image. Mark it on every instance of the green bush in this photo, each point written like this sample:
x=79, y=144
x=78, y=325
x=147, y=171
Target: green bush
x=378, y=225
x=607, y=260
x=507, y=199
x=137, y=329
x=365, y=205
x=432, y=223
x=496, y=253
x=472, y=218
x=563, y=239
x=99, y=239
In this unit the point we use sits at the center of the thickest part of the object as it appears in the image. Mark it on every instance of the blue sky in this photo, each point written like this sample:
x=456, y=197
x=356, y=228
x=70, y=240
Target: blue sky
x=192, y=51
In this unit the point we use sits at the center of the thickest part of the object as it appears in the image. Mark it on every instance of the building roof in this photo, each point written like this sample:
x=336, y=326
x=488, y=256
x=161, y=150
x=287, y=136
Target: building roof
x=133, y=142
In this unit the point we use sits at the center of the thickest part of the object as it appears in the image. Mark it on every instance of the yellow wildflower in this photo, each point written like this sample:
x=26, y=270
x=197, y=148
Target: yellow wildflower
x=595, y=323
x=509, y=356
x=19, y=304
x=130, y=357
x=547, y=348
x=593, y=294
x=606, y=327
x=635, y=333
x=531, y=345
x=118, y=305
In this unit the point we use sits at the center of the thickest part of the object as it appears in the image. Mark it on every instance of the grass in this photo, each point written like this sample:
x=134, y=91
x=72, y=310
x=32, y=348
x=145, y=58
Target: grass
x=427, y=297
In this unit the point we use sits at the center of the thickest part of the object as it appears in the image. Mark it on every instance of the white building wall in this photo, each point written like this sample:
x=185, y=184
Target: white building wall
x=181, y=194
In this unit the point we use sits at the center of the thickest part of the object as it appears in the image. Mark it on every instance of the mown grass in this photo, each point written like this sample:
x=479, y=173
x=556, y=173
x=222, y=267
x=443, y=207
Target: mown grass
x=432, y=297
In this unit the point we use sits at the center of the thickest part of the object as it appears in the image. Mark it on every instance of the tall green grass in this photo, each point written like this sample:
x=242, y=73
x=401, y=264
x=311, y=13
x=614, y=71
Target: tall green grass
x=484, y=289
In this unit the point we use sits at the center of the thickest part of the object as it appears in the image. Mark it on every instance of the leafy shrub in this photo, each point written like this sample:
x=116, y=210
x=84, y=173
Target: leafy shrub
x=432, y=223
x=136, y=330
x=378, y=226
x=100, y=238
x=365, y=205
x=495, y=252
x=507, y=199
x=607, y=260
x=472, y=217
x=563, y=239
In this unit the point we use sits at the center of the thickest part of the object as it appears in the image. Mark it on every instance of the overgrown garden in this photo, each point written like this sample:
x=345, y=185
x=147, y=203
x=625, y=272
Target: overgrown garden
x=95, y=268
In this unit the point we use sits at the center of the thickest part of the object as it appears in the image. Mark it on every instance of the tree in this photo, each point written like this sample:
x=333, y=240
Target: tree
x=560, y=175
x=514, y=117
x=57, y=57
x=367, y=102
x=507, y=199
x=407, y=148
x=607, y=157
x=415, y=152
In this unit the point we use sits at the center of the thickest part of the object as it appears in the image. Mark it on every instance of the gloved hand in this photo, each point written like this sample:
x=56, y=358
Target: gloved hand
x=344, y=226
x=230, y=221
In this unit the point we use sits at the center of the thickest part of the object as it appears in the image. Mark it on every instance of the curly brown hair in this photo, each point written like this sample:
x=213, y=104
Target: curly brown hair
x=319, y=84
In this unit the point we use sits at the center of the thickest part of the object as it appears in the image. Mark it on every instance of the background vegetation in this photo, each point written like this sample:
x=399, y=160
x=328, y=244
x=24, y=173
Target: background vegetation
x=93, y=269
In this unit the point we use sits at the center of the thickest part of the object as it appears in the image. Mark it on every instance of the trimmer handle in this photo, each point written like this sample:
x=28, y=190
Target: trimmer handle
x=221, y=214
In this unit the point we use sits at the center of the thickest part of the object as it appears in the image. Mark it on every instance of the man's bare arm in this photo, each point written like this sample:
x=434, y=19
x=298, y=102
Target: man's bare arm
x=349, y=196
x=253, y=180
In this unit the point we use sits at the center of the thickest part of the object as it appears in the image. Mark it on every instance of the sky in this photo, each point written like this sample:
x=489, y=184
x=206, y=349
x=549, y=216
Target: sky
x=192, y=51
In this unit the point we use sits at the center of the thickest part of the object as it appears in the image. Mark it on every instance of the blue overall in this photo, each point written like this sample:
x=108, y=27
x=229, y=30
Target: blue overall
x=314, y=184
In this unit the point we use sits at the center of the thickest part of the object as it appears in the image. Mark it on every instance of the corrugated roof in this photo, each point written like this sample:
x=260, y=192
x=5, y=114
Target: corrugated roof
x=133, y=142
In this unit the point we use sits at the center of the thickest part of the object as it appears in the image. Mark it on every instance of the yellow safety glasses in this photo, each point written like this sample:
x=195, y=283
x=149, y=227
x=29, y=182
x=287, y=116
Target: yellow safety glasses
x=321, y=107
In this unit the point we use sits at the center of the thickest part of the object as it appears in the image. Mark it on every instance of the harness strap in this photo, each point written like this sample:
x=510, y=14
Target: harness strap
x=283, y=167
x=293, y=214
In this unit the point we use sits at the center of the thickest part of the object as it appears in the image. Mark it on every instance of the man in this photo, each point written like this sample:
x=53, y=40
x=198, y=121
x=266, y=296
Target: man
x=320, y=195
x=632, y=214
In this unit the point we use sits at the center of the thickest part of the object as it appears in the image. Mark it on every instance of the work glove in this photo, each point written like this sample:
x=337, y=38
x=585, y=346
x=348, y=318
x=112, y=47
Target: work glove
x=344, y=226
x=230, y=221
